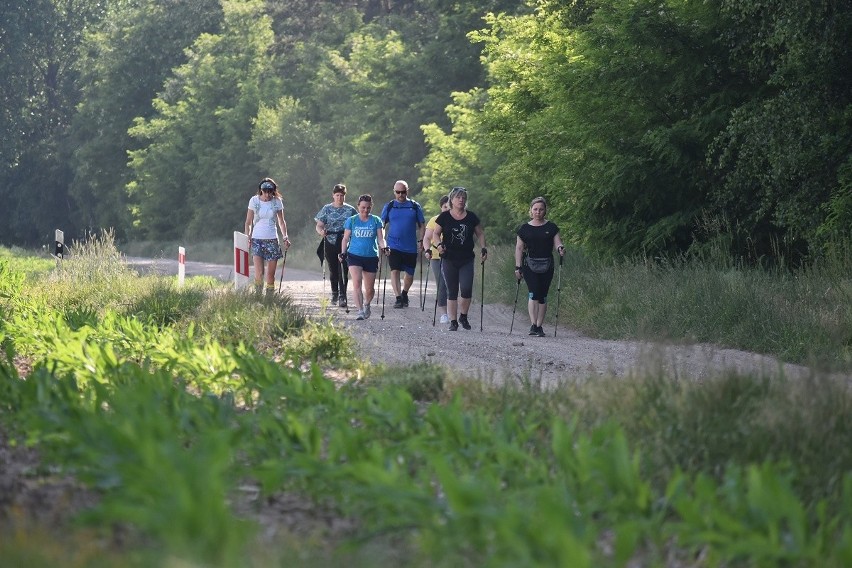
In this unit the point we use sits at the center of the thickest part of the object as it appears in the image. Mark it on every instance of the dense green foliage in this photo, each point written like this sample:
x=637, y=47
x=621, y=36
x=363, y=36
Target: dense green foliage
x=173, y=427
x=652, y=127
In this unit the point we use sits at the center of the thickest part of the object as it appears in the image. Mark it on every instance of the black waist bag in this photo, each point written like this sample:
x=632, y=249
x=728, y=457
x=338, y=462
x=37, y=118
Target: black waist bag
x=539, y=265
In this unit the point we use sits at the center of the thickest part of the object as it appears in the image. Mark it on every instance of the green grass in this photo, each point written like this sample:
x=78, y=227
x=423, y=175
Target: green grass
x=169, y=401
x=802, y=316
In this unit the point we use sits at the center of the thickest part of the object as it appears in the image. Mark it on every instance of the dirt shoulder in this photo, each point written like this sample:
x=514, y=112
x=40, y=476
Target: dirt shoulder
x=407, y=336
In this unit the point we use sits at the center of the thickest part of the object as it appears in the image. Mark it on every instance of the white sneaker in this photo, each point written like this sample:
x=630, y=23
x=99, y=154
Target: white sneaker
x=361, y=315
x=445, y=318
x=367, y=311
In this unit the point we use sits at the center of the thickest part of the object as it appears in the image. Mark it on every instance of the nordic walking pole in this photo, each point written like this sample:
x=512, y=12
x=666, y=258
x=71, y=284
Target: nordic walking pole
x=283, y=264
x=324, y=261
x=379, y=276
x=515, y=306
x=435, y=312
x=385, y=290
x=558, y=289
x=420, y=286
x=482, y=301
x=428, y=270
x=342, y=281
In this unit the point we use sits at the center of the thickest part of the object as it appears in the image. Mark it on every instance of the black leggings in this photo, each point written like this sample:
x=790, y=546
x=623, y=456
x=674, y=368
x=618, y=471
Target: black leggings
x=538, y=284
x=339, y=278
x=458, y=277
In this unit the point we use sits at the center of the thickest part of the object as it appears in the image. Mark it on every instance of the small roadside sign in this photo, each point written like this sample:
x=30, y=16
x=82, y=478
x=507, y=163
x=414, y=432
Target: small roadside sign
x=241, y=260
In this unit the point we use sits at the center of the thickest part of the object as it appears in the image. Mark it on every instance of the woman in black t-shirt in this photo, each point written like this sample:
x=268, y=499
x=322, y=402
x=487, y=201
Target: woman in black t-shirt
x=534, y=260
x=459, y=227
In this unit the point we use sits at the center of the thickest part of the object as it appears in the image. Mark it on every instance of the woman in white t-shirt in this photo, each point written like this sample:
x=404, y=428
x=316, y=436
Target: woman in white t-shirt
x=264, y=209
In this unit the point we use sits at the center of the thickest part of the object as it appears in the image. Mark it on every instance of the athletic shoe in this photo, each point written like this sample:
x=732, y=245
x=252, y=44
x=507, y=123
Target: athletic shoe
x=334, y=298
x=533, y=329
x=404, y=299
x=342, y=303
x=540, y=332
x=463, y=321
x=398, y=303
x=360, y=315
x=454, y=326
x=367, y=311
x=445, y=318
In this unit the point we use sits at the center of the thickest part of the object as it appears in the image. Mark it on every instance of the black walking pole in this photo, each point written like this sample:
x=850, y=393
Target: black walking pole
x=428, y=270
x=482, y=301
x=441, y=273
x=342, y=281
x=515, y=306
x=379, y=276
x=283, y=264
x=385, y=289
x=323, y=262
x=558, y=289
x=420, y=286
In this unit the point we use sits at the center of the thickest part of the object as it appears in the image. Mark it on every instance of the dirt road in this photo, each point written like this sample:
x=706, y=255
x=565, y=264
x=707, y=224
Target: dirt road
x=406, y=336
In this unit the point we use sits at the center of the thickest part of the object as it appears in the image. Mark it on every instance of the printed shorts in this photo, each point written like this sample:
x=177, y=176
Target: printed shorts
x=267, y=249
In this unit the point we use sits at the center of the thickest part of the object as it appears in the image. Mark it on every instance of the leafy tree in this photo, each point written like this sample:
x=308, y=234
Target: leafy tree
x=786, y=154
x=608, y=117
x=465, y=158
x=196, y=171
x=125, y=61
x=39, y=42
x=288, y=143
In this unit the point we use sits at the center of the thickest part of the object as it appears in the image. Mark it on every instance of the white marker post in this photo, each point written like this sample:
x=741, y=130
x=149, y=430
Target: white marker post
x=181, y=265
x=59, y=245
x=241, y=260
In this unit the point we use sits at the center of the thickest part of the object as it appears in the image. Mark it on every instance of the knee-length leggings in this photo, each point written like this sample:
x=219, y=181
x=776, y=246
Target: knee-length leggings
x=458, y=277
x=538, y=284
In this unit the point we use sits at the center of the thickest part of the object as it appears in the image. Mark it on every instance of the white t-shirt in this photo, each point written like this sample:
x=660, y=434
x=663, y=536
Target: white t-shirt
x=264, y=217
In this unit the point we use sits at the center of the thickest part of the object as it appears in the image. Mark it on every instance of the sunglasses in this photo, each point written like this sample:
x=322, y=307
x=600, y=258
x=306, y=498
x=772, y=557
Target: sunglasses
x=267, y=187
x=403, y=192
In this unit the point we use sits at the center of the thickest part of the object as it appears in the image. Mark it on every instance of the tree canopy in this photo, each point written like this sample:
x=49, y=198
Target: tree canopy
x=652, y=127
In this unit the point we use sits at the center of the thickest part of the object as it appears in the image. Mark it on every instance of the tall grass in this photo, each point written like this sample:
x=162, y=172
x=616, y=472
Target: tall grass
x=800, y=316
x=170, y=425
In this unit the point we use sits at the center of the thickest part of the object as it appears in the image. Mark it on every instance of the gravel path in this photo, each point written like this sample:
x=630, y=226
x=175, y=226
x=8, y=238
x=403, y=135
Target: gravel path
x=407, y=336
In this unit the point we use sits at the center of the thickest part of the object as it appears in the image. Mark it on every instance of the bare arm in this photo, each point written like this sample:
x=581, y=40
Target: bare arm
x=519, y=256
x=282, y=224
x=380, y=235
x=344, y=242
x=249, y=221
x=427, y=240
x=557, y=241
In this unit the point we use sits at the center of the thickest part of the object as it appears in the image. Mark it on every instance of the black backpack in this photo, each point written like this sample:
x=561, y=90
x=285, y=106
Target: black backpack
x=390, y=205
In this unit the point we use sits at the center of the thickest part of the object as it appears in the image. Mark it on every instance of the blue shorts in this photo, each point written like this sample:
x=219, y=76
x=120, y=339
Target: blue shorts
x=366, y=263
x=267, y=249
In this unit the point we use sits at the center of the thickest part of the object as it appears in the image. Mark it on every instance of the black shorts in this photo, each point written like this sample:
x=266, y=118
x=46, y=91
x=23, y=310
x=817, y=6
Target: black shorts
x=399, y=260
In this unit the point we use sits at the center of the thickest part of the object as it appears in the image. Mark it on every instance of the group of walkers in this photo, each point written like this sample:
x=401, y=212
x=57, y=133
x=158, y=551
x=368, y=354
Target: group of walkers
x=354, y=241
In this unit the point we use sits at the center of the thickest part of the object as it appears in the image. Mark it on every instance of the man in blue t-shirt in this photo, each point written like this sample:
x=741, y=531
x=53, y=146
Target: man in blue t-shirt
x=404, y=223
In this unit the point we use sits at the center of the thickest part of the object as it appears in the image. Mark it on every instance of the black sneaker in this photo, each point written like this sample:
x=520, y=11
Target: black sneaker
x=454, y=326
x=533, y=329
x=540, y=331
x=334, y=298
x=398, y=303
x=463, y=321
x=404, y=299
x=342, y=302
